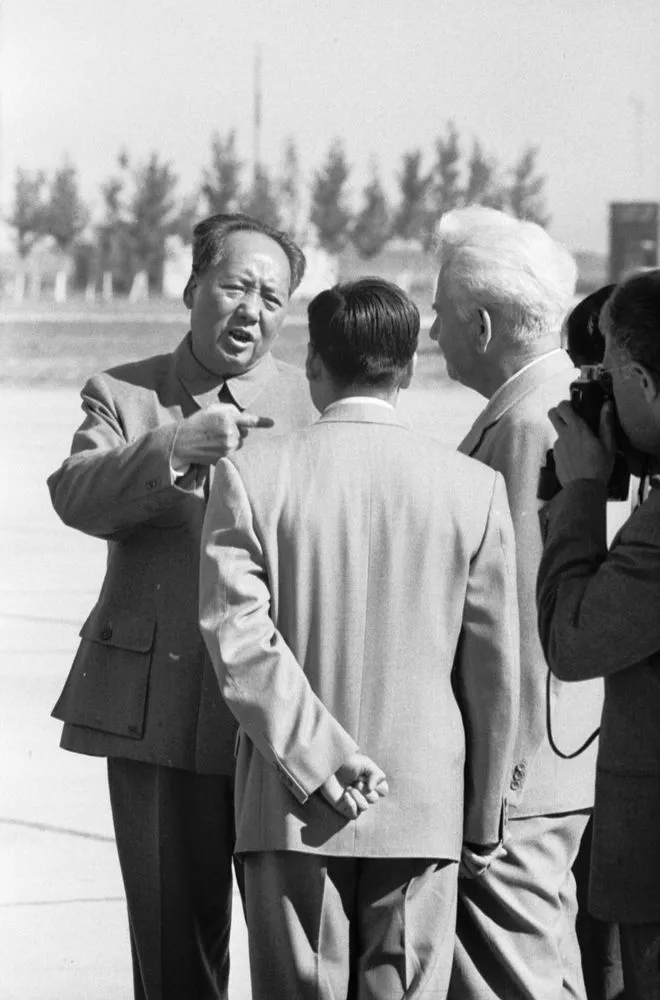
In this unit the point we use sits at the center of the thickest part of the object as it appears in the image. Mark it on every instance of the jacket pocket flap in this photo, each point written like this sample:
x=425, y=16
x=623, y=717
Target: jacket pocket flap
x=118, y=627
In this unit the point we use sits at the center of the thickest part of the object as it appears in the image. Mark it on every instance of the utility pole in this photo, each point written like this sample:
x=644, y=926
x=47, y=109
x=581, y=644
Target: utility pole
x=257, y=116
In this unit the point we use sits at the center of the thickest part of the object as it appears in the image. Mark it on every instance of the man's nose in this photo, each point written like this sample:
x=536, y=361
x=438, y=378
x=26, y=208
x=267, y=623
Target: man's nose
x=250, y=306
x=433, y=332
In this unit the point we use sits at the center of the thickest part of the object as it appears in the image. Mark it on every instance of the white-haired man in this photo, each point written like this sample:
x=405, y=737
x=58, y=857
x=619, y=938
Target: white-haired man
x=503, y=289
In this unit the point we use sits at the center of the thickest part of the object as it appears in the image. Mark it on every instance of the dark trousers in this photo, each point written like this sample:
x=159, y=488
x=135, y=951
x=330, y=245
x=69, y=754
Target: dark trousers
x=175, y=837
x=640, y=954
x=328, y=928
x=599, y=940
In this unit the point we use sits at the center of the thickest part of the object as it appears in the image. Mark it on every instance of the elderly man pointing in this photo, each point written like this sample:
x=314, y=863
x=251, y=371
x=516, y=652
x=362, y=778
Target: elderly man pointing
x=142, y=691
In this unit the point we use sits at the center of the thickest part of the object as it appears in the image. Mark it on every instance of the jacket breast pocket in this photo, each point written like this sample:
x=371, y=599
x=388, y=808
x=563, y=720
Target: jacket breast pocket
x=107, y=686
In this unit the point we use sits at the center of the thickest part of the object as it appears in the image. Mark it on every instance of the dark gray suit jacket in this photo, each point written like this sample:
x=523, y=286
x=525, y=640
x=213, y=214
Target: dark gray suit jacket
x=141, y=685
x=598, y=617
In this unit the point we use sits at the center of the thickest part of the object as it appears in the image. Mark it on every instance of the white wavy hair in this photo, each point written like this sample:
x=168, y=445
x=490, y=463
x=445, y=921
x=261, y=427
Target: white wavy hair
x=512, y=268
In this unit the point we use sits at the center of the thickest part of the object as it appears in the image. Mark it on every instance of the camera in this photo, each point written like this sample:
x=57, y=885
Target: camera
x=588, y=394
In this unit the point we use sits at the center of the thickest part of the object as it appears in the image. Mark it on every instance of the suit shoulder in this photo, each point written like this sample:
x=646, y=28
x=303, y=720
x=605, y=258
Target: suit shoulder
x=144, y=373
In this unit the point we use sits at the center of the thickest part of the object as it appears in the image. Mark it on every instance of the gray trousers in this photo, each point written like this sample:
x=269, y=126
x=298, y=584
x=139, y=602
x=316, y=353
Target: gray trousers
x=327, y=928
x=515, y=931
x=175, y=836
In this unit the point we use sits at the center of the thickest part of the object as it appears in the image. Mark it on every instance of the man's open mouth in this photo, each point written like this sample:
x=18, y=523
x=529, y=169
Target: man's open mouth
x=241, y=336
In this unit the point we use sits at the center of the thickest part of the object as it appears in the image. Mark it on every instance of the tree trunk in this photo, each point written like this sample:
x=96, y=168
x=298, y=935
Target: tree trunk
x=60, y=286
x=107, y=289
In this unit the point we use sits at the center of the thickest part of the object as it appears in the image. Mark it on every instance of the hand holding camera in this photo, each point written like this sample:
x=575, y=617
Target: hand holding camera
x=589, y=439
x=579, y=452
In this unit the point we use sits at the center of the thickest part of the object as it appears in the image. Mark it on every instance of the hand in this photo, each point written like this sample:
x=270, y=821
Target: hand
x=477, y=858
x=356, y=785
x=579, y=454
x=209, y=435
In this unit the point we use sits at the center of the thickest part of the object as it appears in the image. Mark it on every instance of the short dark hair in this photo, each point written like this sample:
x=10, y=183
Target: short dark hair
x=210, y=242
x=632, y=318
x=365, y=331
x=585, y=341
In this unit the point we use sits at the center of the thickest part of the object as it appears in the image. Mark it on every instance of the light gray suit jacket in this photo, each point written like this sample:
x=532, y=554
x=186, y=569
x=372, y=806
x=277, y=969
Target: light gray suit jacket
x=513, y=435
x=598, y=617
x=358, y=589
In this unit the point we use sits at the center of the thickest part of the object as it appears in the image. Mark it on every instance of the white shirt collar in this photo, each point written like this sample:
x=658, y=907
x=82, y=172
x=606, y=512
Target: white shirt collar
x=530, y=364
x=374, y=400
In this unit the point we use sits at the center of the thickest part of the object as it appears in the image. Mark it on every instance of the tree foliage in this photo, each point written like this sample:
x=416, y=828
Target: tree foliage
x=372, y=228
x=446, y=192
x=28, y=214
x=66, y=213
x=113, y=236
x=526, y=192
x=261, y=201
x=221, y=182
x=483, y=186
x=410, y=219
x=152, y=217
x=329, y=213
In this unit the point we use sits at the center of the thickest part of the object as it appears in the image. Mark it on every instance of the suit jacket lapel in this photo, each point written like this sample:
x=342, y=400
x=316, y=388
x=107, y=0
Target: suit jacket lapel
x=547, y=367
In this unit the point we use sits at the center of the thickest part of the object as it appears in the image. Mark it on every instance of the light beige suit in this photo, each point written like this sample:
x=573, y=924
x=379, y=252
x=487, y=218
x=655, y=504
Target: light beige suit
x=358, y=590
x=516, y=926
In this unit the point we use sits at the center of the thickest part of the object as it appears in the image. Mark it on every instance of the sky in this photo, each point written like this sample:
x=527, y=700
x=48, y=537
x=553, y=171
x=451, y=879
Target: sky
x=580, y=79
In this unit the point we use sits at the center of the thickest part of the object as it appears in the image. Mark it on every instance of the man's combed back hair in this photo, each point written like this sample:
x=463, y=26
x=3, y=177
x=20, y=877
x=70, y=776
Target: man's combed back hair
x=508, y=266
x=210, y=243
x=365, y=331
x=631, y=317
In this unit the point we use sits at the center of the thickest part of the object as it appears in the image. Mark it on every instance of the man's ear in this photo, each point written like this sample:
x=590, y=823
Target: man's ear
x=482, y=330
x=188, y=290
x=649, y=382
x=409, y=372
x=313, y=364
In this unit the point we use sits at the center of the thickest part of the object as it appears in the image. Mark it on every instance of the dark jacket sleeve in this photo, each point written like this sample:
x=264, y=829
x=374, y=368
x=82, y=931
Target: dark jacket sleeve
x=116, y=477
x=597, y=611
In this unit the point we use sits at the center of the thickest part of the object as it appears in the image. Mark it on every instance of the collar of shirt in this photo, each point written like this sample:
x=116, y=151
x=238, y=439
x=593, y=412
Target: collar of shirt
x=525, y=368
x=204, y=386
x=357, y=399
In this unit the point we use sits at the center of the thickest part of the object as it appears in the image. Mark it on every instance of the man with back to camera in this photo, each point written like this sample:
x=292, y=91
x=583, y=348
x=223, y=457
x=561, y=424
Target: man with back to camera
x=598, y=617
x=503, y=289
x=358, y=599
x=142, y=691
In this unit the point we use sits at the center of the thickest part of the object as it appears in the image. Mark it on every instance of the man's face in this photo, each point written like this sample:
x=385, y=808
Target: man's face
x=238, y=306
x=451, y=334
x=634, y=412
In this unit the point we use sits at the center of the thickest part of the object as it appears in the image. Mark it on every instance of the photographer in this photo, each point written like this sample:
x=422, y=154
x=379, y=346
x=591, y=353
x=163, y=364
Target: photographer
x=598, y=618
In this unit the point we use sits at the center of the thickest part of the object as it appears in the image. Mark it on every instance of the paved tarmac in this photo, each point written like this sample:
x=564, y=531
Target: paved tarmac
x=63, y=930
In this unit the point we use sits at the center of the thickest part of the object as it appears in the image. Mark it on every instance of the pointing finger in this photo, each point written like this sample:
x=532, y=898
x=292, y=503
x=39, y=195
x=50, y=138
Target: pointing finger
x=252, y=420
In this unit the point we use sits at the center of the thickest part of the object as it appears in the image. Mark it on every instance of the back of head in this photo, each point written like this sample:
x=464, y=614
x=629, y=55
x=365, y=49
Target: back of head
x=510, y=267
x=631, y=318
x=585, y=342
x=365, y=332
x=210, y=242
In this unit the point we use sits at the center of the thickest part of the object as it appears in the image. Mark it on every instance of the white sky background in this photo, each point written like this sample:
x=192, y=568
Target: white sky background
x=85, y=78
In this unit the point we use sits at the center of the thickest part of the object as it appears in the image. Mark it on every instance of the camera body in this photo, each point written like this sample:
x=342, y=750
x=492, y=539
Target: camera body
x=588, y=393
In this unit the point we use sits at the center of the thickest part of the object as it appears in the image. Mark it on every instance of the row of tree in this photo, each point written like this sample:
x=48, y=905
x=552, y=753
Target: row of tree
x=141, y=208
